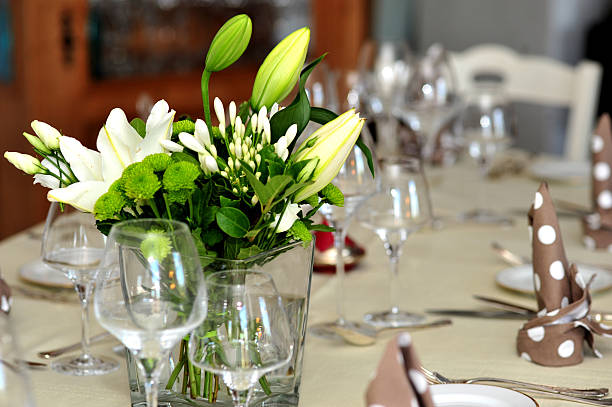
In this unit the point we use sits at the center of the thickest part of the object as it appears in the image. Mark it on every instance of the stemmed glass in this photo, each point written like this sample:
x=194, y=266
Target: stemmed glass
x=356, y=183
x=246, y=333
x=15, y=388
x=73, y=245
x=488, y=128
x=401, y=208
x=151, y=292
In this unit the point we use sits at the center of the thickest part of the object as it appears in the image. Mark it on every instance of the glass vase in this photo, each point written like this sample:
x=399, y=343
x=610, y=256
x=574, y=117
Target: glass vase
x=291, y=269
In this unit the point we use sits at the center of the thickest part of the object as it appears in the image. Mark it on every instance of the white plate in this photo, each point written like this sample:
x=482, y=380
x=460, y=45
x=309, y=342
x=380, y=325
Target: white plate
x=560, y=170
x=37, y=272
x=520, y=278
x=477, y=395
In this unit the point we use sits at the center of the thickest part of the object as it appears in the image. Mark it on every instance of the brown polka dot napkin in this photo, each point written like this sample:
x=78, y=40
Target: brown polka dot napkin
x=597, y=226
x=398, y=382
x=556, y=335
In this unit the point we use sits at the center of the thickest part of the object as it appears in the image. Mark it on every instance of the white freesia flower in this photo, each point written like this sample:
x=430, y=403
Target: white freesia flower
x=191, y=142
x=171, y=146
x=201, y=132
x=220, y=112
x=289, y=217
x=48, y=134
x=119, y=145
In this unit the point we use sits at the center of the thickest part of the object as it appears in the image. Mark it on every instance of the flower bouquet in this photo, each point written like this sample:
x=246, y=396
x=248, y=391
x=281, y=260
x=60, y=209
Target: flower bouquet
x=242, y=185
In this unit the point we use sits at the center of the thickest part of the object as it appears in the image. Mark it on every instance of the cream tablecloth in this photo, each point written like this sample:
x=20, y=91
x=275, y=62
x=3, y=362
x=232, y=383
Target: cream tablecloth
x=441, y=268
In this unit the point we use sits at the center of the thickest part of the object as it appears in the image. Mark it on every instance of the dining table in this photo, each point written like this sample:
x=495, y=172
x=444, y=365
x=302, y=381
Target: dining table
x=440, y=267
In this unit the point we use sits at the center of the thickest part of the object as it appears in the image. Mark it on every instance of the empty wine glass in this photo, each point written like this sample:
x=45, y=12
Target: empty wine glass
x=487, y=124
x=150, y=293
x=73, y=245
x=246, y=333
x=401, y=208
x=15, y=388
x=356, y=183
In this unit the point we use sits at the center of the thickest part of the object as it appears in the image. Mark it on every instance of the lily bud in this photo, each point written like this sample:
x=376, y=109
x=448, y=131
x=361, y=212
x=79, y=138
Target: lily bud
x=331, y=144
x=37, y=143
x=229, y=43
x=48, y=134
x=280, y=70
x=24, y=162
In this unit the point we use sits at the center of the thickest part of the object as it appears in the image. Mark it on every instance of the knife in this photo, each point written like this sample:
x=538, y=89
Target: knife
x=478, y=313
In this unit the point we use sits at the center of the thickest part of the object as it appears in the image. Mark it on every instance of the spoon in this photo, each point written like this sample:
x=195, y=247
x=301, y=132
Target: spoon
x=365, y=335
x=6, y=300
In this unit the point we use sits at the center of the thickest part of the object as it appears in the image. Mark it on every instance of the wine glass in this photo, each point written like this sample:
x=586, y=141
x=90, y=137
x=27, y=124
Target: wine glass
x=401, y=208
x=487, y=124
x=356, y=183
x=246, y=333
x=73, y=245
x=15, y=388
x=151, y=292
x=430, y=99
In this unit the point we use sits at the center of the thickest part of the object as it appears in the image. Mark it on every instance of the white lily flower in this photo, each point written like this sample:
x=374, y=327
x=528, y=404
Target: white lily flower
x=201, y=132
x=171, y=146
x=159, y=127
x=47, y=181
x=24, y=162
x=219, y=112
x=86, y=164
x=288, y=218
x=232, y=112
x=119, y=145
x=48, y=134
x=191, y=142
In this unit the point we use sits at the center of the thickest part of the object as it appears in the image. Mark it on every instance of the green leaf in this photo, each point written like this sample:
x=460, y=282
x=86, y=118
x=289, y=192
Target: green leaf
x=212, y=236
x=232, y=221
x=318, y=227
x=275, y=167
x=235, y=203
x=231, y=248
x=277, y=184
x=244, y=111
x=333, y=195
x=247, y=252
x=260, y=189
x=294, y=188
x=209, y=214
x=139, y=125
x=300, y=231
x=322, y=116
x=297, y=112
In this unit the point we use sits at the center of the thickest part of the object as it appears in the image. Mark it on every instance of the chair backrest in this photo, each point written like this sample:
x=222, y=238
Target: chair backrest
x=539, y=80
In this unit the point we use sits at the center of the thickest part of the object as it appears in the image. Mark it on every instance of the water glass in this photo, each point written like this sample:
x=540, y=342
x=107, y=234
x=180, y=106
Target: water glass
x=246, y=333
x=73, y=245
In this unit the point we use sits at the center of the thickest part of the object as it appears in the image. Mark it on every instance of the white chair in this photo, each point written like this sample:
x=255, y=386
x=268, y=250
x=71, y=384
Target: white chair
x=539, y=80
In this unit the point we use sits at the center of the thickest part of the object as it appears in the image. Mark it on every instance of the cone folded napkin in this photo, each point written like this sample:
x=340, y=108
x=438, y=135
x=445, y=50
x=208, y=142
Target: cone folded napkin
x=398, y=381
x=597, y=226
x=556, y=335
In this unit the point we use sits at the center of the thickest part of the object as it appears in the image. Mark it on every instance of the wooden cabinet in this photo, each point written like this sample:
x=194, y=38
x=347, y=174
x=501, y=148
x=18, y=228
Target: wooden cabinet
x=52, y=83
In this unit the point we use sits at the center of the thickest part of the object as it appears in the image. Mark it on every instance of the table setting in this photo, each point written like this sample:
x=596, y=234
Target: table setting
x=191, y=240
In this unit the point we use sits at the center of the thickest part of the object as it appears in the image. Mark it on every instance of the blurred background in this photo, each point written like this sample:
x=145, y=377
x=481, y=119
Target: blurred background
x=69, y=62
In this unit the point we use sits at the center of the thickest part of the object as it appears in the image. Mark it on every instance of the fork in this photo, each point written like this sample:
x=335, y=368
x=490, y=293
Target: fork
x=581, y=394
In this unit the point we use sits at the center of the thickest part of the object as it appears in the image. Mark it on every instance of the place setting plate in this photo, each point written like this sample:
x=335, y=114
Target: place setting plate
x=520, y=278
x=37, y=272
x=477, y=395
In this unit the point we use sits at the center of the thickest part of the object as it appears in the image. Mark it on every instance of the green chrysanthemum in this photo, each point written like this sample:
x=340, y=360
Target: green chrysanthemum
x=141, y=186
x=179, y=196
x=158, y=162
x=181, y=175
x=156, y=246
x=109, y=205
x=186, y=126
